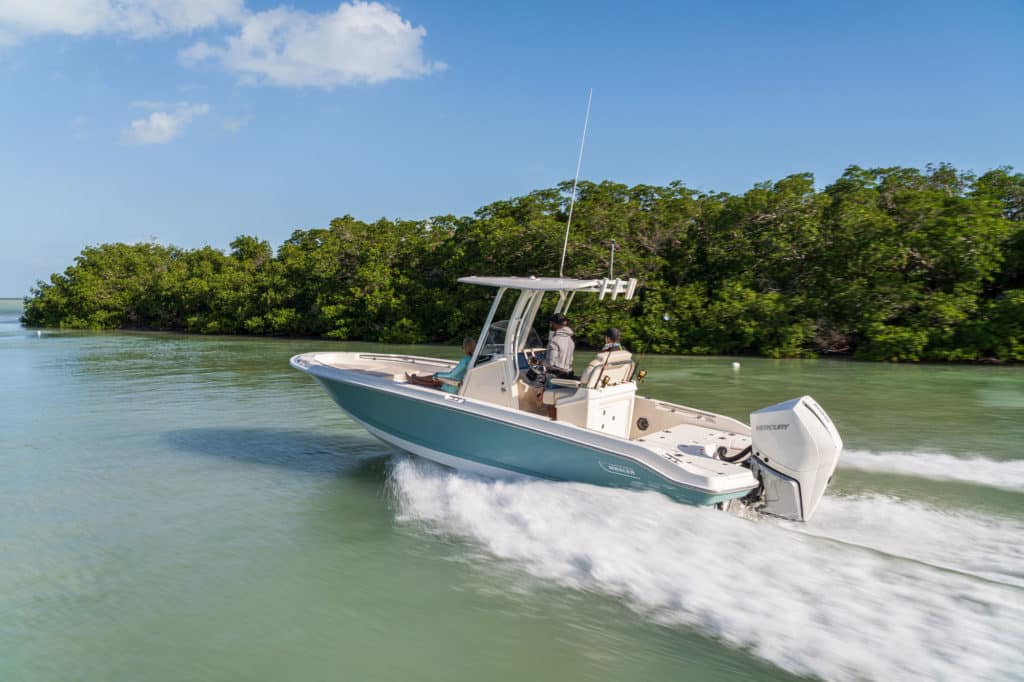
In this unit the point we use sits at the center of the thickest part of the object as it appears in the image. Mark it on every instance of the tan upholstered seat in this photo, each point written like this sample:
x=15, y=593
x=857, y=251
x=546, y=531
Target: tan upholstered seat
x=616, y=365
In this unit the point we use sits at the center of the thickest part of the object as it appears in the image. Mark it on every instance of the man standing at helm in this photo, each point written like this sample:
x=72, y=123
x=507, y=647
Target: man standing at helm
x=558, y=358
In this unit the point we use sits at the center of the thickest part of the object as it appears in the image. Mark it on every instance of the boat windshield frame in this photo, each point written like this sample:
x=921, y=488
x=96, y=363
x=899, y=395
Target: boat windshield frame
x=494, y=343
x=531, y=294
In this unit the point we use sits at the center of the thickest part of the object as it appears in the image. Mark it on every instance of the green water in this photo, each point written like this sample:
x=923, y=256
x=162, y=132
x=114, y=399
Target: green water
x=186, y=508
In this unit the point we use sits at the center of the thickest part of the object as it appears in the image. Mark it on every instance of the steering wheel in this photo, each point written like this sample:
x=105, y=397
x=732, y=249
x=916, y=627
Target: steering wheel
x=531, y=355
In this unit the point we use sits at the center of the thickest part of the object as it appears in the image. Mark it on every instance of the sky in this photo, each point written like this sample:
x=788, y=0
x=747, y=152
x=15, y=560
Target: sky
x=190, y=122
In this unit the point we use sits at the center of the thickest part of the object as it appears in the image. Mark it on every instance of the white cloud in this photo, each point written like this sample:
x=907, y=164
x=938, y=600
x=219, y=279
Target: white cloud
x=20, y=19
x=360, y=42
x=161, y=127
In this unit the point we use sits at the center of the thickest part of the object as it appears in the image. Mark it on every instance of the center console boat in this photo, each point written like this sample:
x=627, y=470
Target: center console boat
x=494, y=421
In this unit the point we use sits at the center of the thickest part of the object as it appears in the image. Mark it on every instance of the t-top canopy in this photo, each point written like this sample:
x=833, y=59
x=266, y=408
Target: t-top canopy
x=615, y=287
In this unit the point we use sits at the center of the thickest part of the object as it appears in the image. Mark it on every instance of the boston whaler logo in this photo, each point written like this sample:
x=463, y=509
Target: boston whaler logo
x=620, y=469
x=772, y=427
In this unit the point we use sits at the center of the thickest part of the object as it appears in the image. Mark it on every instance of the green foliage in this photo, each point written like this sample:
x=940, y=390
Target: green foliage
x=892, y=264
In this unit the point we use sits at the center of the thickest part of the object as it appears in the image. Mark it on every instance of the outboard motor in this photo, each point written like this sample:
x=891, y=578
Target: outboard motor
x=795, y=450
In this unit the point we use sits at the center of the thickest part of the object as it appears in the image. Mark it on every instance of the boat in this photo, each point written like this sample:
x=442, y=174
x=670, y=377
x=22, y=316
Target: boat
x=495, y=420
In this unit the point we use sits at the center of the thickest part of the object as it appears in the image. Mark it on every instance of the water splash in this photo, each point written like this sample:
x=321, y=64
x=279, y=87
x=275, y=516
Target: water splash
x=1007, y=474
x=986, y=546
x=807, y=604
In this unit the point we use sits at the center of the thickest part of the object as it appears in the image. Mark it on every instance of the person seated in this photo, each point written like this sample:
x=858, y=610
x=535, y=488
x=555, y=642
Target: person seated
x=447, y=381
x=612, y=340
x=612, y=346
x=558, y=357
x=615, y=362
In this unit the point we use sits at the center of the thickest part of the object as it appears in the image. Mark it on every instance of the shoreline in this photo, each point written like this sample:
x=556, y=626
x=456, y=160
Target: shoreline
x=249, y=337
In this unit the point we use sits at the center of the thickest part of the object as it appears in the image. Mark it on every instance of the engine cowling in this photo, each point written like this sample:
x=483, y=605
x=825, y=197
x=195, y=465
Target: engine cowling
x=795, y=451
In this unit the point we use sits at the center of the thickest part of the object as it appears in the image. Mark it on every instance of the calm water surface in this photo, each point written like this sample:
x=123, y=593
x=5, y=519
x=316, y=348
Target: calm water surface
x=191, y=508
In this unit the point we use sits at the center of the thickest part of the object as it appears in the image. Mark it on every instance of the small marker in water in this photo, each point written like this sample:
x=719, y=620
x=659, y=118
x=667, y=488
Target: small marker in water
x=39, y=333
x=735, y=365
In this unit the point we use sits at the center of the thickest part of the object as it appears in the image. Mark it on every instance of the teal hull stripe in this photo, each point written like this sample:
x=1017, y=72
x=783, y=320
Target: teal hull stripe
x=485, y=441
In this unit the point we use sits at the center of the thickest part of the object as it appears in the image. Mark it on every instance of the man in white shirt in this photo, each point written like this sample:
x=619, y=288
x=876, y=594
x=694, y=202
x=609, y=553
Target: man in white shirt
x=559, y=356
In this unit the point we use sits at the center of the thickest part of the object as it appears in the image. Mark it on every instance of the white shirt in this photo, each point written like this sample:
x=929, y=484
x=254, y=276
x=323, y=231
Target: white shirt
x=560, y=350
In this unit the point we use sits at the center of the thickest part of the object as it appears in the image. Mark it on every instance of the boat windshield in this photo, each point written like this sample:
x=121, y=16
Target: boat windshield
x=494, y=341
x=533, y=339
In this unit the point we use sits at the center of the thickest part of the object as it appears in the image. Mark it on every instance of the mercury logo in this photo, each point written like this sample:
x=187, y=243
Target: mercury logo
x=773, y=427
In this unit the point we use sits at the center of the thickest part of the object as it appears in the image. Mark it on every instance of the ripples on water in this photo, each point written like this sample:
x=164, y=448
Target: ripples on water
x=173, y=465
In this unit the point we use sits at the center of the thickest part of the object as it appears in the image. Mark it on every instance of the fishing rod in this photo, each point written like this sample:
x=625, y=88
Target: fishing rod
x=637, y=371
x=572, y=201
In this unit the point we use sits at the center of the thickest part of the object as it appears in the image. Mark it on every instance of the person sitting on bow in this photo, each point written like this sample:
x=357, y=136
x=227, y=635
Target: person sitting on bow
x=447, y=381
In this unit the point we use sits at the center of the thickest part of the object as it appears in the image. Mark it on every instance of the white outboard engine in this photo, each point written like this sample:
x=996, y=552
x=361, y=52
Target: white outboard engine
x=795, y=450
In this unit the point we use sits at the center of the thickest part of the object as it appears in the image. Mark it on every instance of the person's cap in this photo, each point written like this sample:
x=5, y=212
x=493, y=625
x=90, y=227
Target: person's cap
x=613, y=334
x=558, y=318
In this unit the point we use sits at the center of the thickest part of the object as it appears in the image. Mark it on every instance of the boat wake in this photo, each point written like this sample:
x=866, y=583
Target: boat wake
x=812, y=600
x=1008, y=475
x=984, y=546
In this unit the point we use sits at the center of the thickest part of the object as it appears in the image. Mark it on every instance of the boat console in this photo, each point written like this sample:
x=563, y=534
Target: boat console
x=601, y=399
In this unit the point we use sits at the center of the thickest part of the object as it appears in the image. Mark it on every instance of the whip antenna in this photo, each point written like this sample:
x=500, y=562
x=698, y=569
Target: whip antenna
x=572, y=201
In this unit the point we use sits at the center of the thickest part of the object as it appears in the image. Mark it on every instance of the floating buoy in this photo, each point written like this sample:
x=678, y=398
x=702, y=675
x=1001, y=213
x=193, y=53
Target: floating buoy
x=39, y=333
x=735, y=365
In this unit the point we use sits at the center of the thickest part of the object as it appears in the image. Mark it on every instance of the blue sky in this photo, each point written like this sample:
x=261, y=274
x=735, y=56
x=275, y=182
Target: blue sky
x=193, y=121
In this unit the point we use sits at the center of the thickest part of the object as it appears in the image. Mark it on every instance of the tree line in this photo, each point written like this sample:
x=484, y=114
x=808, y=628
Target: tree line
x=882, y=264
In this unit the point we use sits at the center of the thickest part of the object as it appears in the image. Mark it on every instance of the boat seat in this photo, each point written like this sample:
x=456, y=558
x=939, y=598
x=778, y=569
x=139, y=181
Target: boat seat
x=616, y=366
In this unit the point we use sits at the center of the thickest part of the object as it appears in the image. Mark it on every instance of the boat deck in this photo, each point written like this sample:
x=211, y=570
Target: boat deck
x=385, y=365
x=700, y=441
x=694, y=447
